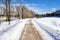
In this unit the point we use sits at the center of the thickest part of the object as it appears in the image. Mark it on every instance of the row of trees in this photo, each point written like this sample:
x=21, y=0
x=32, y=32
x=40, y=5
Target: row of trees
x=22, y=11
x=7, y=4
x=7, y=10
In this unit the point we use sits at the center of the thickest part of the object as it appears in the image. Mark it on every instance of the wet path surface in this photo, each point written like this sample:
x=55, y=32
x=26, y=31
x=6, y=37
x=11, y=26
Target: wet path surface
x=29, y=32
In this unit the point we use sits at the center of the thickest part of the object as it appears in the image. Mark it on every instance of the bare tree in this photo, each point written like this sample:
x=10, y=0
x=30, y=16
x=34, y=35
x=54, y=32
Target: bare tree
x=7, y=4
x=21, y=7
x=18, y=11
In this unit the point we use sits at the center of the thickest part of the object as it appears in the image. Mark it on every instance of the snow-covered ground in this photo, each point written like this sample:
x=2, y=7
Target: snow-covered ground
x=12, y=31
x=50, y=25
x=52, y=22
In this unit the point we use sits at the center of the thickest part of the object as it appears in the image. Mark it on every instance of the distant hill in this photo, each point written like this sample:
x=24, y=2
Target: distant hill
x=57, y=13
x=53, y=14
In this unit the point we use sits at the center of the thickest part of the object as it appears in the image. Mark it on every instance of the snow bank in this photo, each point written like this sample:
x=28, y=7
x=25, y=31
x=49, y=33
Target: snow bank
x=52, y=22
x=43, y=33
x=51, y=25
x=14, y=33
x=5, y=25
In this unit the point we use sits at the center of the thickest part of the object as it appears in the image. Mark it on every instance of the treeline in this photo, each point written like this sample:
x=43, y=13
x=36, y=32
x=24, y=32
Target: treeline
x=9, y=11
x=54, y=14
x=15, y=11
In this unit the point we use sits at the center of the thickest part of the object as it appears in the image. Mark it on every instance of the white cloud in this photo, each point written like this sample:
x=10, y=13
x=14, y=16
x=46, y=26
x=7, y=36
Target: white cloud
x=34, y=8
x=53, y=9
x=35, y=5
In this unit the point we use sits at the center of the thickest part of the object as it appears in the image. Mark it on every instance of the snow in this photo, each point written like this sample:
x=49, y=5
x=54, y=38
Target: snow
x=2, y=18
x=52, y=22
x=50, y=25
x=12, y=31
x=43, y=33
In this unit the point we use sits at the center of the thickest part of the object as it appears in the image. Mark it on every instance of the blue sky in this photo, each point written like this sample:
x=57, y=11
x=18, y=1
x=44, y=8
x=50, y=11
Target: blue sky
x=41, y=6
x=45, y=5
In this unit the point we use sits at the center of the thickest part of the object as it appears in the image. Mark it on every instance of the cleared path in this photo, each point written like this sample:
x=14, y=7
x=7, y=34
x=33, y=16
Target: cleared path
x=29, y=32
